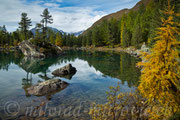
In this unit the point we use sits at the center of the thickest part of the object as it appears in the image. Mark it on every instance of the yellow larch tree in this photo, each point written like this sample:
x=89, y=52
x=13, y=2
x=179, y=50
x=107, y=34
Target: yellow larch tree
x=58, y=40
x=160, y=78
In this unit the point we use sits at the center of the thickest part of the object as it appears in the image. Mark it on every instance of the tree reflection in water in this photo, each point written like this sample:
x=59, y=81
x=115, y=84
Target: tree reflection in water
x=121, y=66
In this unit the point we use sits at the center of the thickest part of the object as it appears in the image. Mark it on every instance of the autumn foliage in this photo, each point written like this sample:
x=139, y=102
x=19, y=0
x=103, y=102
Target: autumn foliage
x=160, y=78
x=120, y=106
x=159, y=88
x=58, y=40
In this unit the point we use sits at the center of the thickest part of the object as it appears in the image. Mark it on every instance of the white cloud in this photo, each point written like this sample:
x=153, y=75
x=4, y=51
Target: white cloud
x=76, y=19
x=51, y=5
x=68, y=19
x=11, y=12
x=68, y=15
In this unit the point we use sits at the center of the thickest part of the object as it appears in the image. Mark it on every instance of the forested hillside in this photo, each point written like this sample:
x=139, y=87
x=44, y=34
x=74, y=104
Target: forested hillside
x=131, y=28
x=128, y=27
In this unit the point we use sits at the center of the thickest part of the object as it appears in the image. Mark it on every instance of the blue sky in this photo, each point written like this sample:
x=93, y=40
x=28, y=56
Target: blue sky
x=68, y=15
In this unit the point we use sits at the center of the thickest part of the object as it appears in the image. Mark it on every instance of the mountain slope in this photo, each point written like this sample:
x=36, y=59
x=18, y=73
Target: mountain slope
x=118, y=14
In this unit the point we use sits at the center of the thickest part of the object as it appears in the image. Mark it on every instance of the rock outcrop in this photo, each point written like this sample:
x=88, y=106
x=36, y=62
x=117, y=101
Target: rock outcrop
x=47, y=87
x=29, y=50
x=136, y=52
x=64, y=71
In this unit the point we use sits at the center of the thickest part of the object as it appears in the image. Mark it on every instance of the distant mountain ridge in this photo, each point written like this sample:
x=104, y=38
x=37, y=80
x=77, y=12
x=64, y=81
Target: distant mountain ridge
x=33, y=30
x=78, y=33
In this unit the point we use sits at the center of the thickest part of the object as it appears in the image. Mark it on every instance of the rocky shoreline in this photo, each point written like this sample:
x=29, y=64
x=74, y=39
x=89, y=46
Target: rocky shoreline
x=130, y=50
x=30, y=51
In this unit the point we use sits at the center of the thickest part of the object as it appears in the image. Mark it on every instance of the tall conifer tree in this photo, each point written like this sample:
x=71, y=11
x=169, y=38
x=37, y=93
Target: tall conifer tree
x=24, y=24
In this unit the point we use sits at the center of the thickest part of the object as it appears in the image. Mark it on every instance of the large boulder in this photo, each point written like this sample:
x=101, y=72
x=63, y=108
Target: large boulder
x=47, y=87
x=64, y=71
x=29, y=50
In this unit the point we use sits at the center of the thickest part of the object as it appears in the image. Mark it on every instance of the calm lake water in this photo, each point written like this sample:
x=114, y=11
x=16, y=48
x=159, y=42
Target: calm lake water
x=96, y=71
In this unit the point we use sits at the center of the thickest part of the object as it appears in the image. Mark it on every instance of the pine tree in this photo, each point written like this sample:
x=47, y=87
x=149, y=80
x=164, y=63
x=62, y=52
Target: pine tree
x=24, y=24
x=84, y=41
x=89, y=39
x=137, y=33
x=52, y=40
x=4, y=29
x=16, y=38
x=38, y=39
x=122, y=29
x=161, y=71
x=3, y=36
x=130, y=21
x=113, y=32
x=146, y=20
x=59, y=41
x=51, y=36
x=137, y=36
x=95, y=37
x=126, y=37
x=46, y=18
x=155, y=23
x=110, y=29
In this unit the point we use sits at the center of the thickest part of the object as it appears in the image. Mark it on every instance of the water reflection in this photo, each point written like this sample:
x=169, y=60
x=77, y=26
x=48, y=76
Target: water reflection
x=26, y=83
x=96, y=71
x=121, y=66
x=7, y=58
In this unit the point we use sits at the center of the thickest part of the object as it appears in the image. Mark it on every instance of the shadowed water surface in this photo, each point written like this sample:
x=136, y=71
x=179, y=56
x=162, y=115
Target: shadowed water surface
x=96, y=71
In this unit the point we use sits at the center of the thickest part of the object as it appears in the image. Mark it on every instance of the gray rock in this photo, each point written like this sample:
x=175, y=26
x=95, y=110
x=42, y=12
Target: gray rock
x=47, y=87
x=66, y=70
x=29, y=50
